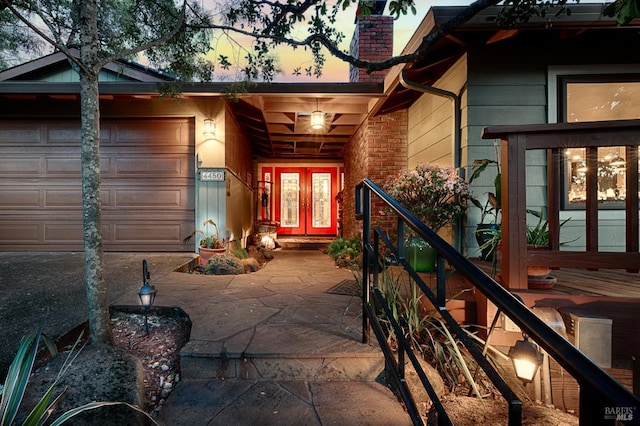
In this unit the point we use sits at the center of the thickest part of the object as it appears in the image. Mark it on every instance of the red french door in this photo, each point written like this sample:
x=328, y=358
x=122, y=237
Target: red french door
x=305, y=200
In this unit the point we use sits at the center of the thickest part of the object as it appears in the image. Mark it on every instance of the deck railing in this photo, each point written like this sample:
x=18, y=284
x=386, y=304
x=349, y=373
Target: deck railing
x=598, y=391
x=555, y=139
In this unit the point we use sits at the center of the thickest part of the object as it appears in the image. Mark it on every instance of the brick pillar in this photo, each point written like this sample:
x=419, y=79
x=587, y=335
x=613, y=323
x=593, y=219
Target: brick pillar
x=377, y=150
x=372, y=41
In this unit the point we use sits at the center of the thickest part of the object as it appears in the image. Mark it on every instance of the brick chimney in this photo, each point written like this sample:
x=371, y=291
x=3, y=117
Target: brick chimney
x=372, y=41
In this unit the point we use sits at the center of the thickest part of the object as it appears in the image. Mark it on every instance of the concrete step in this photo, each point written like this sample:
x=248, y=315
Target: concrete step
x=270, y=402
x=303, y=243
x=351, y=362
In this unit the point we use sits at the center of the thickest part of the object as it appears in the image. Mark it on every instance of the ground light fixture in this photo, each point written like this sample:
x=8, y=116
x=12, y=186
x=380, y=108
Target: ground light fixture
x=526, y=359
x=317, y=118
x=147, y=294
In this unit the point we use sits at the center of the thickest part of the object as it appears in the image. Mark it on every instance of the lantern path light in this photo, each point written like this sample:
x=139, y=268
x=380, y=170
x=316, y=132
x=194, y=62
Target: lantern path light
x=147, y=294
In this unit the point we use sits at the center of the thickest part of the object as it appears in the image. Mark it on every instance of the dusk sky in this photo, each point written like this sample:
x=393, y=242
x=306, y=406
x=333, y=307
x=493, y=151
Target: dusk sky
x=334, y=69
x=338, y=71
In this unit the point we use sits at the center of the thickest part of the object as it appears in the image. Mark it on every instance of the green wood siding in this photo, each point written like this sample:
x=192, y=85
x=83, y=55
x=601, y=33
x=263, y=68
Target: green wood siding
x=503, y=92
x=70, y=76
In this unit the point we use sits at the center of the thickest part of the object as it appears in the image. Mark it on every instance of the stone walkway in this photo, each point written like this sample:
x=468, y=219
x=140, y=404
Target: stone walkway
x=273, y=347
x=268, y=348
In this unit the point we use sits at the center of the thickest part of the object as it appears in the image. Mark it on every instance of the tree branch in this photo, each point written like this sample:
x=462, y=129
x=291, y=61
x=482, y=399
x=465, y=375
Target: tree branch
x=419, y=54
x=153, y=43
x=61, y=47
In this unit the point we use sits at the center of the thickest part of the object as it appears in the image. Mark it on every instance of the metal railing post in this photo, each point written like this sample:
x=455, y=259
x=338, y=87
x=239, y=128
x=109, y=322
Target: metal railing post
x=366, y=241
x=600, y=394
x=441, y=284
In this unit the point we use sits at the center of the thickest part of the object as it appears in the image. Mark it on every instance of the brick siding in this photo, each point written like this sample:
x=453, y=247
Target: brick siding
x=372, y=41
x=377, y=150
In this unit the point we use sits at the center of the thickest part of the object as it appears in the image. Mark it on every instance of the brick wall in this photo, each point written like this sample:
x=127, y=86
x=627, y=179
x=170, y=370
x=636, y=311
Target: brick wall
x=372, y=41
x=377, y=150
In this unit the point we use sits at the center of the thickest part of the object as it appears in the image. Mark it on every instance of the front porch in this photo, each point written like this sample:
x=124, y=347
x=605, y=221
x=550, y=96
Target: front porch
x=595, y=285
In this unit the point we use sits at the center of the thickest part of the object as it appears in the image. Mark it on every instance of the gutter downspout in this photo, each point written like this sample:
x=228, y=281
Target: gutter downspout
x=457, y=136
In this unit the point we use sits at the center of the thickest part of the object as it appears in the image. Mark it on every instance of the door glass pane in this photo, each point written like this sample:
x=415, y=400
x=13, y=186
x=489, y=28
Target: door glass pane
x=321, y=190
x=290, y=200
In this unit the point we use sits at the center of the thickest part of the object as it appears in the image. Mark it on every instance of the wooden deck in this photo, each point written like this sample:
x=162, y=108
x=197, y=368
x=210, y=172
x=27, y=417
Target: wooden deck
x=613, y=294
x=609, y=282
x=609, y=293
x=582, y=282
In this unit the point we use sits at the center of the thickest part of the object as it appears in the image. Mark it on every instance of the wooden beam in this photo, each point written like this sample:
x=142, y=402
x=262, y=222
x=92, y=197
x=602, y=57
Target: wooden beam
x=502, y=35
x=583, y=260
x=514, y=208
x=308, y=138
x=334, y=107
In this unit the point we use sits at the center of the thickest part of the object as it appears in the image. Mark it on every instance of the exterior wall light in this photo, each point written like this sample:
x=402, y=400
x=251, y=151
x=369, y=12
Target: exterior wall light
x=147, y=294
x=526, y=359
x=317, y=118
x=209, y=127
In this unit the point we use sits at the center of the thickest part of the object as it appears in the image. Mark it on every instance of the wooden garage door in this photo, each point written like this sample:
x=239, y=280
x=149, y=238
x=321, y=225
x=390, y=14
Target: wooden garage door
x=147, y=184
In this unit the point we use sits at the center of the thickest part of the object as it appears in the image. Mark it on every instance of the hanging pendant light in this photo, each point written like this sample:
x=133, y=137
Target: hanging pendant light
x=317, y=118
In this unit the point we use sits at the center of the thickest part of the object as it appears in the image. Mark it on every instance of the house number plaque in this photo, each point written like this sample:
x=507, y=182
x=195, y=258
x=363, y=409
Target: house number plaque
x=212, y=175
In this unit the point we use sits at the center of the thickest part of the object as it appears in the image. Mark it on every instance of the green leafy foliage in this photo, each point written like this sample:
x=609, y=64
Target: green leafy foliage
x=240, y=253
x=223, y=264
x=18, y=378
x=625, y=11
x=492, y=207
x=209, y=240
x=538, y=235
x=426, y=331
x=348, y=249
x=433, y=193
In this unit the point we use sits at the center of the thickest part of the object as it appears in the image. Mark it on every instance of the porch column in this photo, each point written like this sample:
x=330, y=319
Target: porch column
x=514, y=212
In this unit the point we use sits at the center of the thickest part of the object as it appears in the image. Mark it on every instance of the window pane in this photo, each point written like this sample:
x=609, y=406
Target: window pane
x=611, y=174
x=600, y=101
x=603, y=101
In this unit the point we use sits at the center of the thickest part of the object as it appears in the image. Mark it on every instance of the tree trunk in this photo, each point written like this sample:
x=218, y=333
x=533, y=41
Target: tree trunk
x=97, y=305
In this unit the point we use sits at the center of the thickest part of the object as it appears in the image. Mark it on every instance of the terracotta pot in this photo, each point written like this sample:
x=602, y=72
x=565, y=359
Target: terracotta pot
x=207, y=253
x=538, y=271
x=541, y=283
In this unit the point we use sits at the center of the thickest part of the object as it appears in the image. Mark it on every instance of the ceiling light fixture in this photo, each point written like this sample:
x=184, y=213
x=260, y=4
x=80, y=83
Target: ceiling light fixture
x=317, y=118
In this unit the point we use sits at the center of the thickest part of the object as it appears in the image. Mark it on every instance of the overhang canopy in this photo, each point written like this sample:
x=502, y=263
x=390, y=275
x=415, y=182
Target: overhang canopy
x=584, y=24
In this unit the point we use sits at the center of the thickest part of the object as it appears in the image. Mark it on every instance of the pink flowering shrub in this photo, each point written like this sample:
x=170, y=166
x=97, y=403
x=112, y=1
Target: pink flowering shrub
x=433, y=193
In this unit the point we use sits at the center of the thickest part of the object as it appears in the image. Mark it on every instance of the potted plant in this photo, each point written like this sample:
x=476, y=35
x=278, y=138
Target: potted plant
x=490, y=211
x=210, y=244
x=434, y=194
x=538, y=239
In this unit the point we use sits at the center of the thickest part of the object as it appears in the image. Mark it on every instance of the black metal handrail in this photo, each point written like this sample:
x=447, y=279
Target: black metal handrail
x=598, y=390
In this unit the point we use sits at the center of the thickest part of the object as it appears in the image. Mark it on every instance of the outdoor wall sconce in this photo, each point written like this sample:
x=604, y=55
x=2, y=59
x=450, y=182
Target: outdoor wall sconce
x=147, y=294
x=317, y=118
x=526, y=359
x=209, y=127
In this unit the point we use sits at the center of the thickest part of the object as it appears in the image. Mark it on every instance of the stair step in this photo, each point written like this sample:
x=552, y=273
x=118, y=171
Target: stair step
x=303, y=243
x=201, y=360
